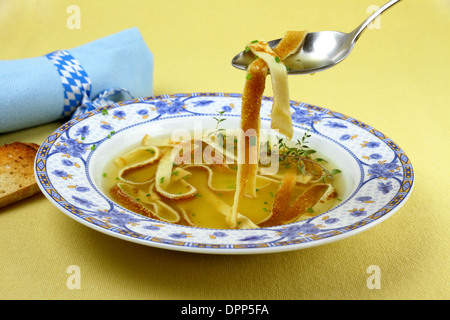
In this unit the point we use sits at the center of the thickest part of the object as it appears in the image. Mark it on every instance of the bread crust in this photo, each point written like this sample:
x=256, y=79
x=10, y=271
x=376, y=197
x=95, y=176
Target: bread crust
x=17, y=180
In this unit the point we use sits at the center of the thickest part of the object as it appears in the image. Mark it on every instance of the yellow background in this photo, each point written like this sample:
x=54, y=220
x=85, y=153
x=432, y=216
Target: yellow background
x=396, y=80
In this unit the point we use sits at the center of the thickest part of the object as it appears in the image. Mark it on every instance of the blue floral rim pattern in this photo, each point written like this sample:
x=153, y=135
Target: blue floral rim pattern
x=64, y=158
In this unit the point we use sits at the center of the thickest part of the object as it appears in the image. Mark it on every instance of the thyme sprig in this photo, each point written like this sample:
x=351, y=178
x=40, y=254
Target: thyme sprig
x=219, y=120
x=296, y=155
x=299, y=154
x=218, y=132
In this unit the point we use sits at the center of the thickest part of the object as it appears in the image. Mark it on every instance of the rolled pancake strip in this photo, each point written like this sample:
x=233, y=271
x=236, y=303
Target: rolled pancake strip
x=281, y=113
x=282, y=201
x=138, y=157
x=250, y=118
x=293, y=211
x=163, y=178
x=292, y=41
x=135, y=200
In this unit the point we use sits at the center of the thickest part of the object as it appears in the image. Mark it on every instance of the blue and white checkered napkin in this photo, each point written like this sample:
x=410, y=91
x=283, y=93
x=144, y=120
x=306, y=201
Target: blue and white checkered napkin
x=66, y=83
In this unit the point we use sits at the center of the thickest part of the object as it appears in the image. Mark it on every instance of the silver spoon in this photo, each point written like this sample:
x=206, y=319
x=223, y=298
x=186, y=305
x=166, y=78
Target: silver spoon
x=320, y=51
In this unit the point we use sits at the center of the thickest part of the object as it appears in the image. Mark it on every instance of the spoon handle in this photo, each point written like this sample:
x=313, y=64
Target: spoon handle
x=357, y=32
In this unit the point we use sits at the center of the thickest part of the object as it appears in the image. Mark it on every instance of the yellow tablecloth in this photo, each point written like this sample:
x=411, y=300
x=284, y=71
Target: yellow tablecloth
x=396, y=80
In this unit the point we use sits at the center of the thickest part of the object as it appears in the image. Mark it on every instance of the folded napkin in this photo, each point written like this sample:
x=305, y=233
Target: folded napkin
x=40, y=90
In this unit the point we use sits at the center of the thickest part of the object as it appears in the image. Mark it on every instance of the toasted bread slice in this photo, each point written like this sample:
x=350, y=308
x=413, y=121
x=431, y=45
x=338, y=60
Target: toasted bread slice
x=17, y=179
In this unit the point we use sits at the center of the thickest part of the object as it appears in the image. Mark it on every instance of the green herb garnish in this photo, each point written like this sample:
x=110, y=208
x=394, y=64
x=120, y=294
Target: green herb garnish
x=298, y=155
x=335, y=171
x=219, y=119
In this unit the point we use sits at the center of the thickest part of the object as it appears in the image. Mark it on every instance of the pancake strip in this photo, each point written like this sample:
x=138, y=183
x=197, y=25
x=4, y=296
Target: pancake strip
x=250, y=119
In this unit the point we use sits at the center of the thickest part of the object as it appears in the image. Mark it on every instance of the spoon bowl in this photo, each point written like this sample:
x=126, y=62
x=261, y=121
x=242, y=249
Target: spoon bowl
x=320, y=51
